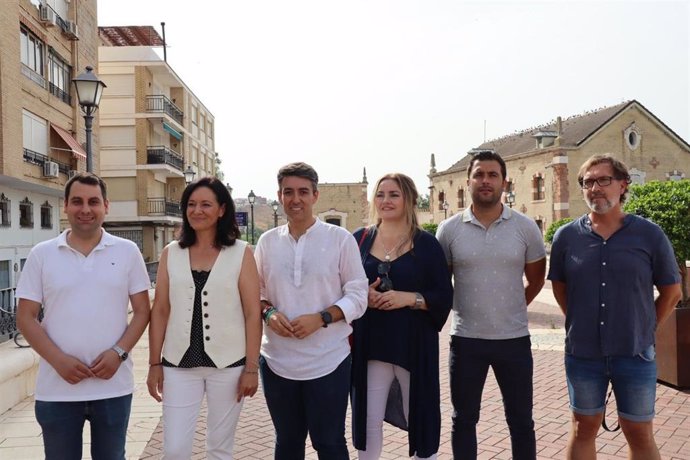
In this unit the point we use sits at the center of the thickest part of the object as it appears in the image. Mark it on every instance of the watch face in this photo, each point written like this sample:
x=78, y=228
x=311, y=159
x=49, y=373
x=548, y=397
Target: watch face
x=326, y=317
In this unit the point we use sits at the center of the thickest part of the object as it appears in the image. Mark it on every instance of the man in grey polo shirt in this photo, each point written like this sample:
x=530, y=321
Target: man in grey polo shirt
x=488, y=248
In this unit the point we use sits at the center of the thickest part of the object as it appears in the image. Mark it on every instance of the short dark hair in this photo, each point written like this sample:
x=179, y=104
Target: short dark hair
x=88, y=179
x=620, y=171
x=299, y=169
x=227, y=230
x=487, y=155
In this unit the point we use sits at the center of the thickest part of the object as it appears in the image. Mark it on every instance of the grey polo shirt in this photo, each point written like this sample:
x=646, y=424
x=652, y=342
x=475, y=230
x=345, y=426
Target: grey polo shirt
x=488, y=266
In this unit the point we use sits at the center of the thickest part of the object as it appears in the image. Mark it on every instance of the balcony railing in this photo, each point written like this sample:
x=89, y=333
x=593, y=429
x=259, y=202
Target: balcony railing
x=159, y=154
x=164, y=207
x=8, y=310
x=57, y=92
x=39, y=159
x=160, y=103
x=33, y=76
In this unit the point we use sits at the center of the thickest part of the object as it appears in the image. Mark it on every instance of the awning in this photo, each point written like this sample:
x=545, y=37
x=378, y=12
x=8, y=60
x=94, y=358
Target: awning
x=78, y=151
x=173, y=132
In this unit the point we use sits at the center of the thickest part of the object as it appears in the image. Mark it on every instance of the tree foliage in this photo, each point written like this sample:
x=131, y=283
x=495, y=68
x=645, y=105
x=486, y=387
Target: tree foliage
x=668, y=205
x=430, y=227
x=548, y=236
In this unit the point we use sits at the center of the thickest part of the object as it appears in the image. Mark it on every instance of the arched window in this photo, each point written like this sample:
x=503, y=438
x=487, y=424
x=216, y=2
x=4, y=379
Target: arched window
x=538, y=187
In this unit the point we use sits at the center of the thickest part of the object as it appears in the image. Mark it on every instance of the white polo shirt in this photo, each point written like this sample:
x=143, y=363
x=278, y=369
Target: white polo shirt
x=85, y=301
x=321, y=269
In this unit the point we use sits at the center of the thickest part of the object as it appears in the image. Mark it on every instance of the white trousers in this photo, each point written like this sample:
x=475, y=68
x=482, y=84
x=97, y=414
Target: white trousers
x=183, y=392
x=380, y=377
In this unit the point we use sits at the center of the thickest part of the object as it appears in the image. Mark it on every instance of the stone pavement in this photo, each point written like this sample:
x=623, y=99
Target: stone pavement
x=20, y=435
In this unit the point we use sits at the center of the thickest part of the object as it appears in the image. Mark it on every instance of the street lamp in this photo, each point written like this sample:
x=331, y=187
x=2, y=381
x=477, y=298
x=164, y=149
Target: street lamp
x=189, y=175
x=510, y=198
x=89, y=91
x=445, y=209
x=252, y=198
x=274, y=205
x=227, y=186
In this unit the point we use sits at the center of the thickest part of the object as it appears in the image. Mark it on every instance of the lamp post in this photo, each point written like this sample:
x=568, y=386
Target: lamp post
x=89, y=91
x=275, y=205
x=445, y=209
x=510, y=198
x=189, y=175
x=252, y=198
x=227, y=186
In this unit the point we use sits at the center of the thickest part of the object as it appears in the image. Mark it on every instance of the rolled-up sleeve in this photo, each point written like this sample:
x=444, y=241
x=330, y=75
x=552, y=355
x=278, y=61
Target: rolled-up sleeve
x=354, y=281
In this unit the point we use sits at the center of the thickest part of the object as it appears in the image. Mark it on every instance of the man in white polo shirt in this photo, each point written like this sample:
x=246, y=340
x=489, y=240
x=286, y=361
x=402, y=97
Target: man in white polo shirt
x=84, y=281
x=312, y=287
x=488, y=248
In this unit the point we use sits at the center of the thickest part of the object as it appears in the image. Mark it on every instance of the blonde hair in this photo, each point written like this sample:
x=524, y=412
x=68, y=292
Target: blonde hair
x=410, y=196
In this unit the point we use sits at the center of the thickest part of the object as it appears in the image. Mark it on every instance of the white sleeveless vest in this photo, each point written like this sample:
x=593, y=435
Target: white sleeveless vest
x=221, y=307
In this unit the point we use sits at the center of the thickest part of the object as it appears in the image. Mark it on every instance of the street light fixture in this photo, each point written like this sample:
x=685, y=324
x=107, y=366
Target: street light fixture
x=275, y=205
x=189, y=175
x=445, y=209
x=252, y=198
x=89, y=91
x=227, y=186
x=510, y=198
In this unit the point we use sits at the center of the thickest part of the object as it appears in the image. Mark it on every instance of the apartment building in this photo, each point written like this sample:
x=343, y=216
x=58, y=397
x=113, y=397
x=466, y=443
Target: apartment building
x=43, y=45
x=153, y=129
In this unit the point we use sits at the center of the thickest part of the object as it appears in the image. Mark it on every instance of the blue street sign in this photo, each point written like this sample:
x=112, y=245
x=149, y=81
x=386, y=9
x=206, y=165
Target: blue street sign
x=241, y=218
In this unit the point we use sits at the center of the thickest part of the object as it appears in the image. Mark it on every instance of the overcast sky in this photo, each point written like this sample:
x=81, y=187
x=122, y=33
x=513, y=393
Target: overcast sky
x=382, y=84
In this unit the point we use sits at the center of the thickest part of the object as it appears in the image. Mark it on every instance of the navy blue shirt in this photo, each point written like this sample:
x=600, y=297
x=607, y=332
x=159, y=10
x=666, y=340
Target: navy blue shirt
x=609, y=285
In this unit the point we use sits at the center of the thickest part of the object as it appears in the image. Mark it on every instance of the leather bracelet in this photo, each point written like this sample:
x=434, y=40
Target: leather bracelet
x=250, y=372
x=155, y=364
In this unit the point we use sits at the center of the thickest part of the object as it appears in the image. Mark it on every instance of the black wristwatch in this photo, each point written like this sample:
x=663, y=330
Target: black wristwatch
x=120, y=352
x=326, y=317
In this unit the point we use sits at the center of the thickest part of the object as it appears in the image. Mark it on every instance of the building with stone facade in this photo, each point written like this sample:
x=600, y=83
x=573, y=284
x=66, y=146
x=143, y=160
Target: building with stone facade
x=543, y=162
x=43, y=45
x=344, y=204
x=153, y=128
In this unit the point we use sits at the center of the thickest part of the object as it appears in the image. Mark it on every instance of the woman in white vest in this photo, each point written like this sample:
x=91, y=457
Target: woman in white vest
x=205, y=329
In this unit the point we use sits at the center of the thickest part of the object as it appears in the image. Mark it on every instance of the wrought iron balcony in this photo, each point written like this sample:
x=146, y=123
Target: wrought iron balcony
x=164, y=207
x=39, y=159
x=159, y=154
x=160, y=103
x=57, y=92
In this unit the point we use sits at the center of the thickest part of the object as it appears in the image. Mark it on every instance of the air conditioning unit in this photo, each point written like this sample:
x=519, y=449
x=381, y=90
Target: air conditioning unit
x=47, y=15
x=50, y=169
x=71, y=30
x=72, y=173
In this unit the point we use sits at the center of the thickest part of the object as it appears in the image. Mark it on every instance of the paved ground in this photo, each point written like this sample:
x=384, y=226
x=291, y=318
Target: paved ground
x=20, y=436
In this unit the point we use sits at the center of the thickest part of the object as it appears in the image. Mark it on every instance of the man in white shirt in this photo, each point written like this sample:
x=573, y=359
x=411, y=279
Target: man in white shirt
x=84, y=279
x=312, y=287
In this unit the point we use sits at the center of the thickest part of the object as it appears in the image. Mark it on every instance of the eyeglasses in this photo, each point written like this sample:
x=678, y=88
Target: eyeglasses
x=386, y=283
x=603, y=181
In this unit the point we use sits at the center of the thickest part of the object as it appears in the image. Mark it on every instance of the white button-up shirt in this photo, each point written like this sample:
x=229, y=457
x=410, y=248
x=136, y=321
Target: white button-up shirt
x=321, y=269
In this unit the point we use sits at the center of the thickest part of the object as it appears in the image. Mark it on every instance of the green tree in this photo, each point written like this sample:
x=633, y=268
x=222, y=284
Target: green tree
x=548, y=236
x=668, y=205
x=430, y=227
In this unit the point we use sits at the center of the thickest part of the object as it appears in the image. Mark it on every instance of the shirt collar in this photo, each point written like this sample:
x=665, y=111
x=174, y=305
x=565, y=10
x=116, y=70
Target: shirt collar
x=106, y=239
x=468, y=215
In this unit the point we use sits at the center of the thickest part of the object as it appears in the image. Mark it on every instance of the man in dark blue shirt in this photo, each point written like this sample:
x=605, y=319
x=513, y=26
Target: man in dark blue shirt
x=603, y=269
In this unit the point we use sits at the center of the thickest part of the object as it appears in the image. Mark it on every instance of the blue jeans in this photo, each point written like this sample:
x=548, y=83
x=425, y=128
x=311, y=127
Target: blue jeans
x=62, y=424
x=317, y=407
x=633, y=379
x=511, y=361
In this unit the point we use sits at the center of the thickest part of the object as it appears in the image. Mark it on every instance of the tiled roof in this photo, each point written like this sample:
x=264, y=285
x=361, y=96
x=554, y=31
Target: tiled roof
x=574, y=130
x=130, y=36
